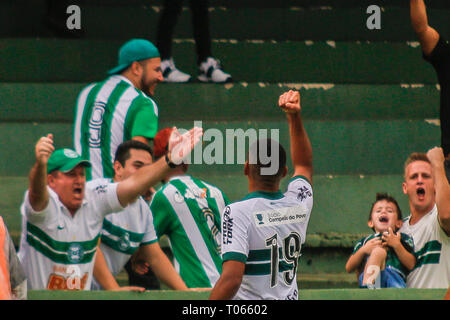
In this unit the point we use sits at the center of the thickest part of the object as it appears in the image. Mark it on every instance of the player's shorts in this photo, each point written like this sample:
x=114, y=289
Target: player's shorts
x=390, y=278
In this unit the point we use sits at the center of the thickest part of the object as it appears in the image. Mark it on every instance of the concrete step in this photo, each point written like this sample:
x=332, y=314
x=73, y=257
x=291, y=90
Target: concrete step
x=56, y=60
x=55, y=102
x=294, y=21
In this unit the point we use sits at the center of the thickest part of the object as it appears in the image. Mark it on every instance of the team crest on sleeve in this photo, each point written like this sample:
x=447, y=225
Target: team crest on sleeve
x=303, y=193
x=227, y=226
x=101, y=189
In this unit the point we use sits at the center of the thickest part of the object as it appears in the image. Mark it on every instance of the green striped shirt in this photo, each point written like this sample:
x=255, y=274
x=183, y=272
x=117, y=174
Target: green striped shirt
x=108, y=113
x=188, y=211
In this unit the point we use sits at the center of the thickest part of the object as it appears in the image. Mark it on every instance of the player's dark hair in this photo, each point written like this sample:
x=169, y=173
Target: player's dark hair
x=263, y=154
x=384, y=196
x=123, y=151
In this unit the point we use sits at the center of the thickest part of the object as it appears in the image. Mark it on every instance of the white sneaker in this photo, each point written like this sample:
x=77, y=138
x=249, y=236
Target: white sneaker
x=171, y=73
x=211, y=71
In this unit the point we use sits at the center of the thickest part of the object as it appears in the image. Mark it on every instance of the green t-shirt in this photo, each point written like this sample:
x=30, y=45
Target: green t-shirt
x=391, y=260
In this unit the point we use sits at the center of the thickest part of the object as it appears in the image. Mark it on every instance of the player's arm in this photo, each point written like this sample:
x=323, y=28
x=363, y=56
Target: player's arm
x=153, y=256
x=229, y=282
x=38, y=193
x=428, y=37
x=179, y=148
x=105, y=278
x=442, y=187
x=301, y=150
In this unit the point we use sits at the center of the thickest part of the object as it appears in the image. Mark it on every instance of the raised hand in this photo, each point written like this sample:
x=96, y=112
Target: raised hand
x=44, y=149
x=181, y=145
x=289, y=101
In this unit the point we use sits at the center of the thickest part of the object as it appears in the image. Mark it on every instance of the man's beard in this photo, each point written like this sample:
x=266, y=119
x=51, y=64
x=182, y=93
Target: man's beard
x=145, y=87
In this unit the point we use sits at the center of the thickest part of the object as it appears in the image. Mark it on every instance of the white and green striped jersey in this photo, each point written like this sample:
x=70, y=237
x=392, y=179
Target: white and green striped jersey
x=125, y=231
x=108, y=113
x=188, y=210
x=266, y=231
x=57, y=250
x=432, y=250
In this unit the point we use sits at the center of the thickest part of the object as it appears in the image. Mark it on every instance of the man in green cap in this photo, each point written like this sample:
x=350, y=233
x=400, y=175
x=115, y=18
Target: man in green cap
x=62, y=220
x=119, y=108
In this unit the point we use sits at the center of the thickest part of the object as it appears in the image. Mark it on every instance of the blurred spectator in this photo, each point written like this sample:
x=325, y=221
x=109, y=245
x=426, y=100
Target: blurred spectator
x=210, y=69
x=13, y=284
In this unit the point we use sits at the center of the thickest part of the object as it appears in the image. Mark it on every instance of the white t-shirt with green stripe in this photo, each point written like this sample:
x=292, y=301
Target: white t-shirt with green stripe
x=266, y=231
x=124, y=231
x=432, y=250
x=108, y=113
x=57, y=251
x=188, y=210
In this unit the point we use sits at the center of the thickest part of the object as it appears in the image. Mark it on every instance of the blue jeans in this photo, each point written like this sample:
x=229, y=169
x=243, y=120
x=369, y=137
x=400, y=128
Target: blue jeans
x=390, y=278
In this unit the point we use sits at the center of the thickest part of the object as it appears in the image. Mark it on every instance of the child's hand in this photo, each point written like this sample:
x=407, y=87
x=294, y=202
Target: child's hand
x=370, y=245
x=391, y=239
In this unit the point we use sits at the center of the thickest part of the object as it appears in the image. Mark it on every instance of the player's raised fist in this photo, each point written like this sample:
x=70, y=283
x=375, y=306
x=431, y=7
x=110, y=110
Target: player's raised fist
x=44, y=148
x=289, y=101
